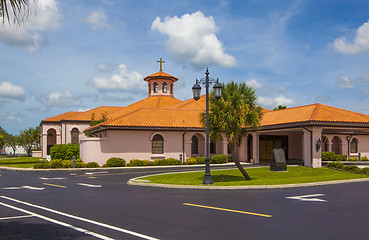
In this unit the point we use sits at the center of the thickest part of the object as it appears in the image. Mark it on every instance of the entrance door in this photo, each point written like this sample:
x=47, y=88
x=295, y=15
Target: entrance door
x=268, y=143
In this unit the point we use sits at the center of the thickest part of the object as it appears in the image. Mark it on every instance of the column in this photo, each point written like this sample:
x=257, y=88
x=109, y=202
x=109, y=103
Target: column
x=44, y=144
x=255, y=148
x=306, y=148
x=317, y=155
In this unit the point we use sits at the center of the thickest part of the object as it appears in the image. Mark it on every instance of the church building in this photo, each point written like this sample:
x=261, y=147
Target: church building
x=162, y=126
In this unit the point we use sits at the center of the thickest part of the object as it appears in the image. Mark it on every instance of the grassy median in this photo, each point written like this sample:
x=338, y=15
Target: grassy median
x=19, y=162
x=259, y=176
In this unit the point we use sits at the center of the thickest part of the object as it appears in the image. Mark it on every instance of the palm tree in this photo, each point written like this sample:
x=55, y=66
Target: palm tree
x=232, y=115
x=279, y=107
x=20, y=9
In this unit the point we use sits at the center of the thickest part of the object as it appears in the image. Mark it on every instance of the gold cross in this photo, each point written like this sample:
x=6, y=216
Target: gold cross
x=161, y=66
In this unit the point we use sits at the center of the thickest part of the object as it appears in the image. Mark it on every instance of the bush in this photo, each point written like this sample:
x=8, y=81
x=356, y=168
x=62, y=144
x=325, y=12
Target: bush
x=351, y=168
x=219, y=158
x=64, y=151
x=334, y=165
x=67, y=163
x=92, y=165
x=200, y=160
x=190, y=161
x=328, y=156
x=43, y=165
x=56, y=163
x=353, y=159
x=137, y=162
x=80, y=164
x=340, y=157
x=365, y=158
x=115, y=162
x=167, y=161
x=365, y=170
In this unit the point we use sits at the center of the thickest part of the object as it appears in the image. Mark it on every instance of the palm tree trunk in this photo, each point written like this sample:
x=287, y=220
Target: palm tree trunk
x=238, y=164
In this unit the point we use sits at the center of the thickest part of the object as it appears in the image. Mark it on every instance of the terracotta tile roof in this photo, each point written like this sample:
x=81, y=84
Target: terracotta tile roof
x=59, y=117
x=160, y=75
x=192, y=104
x=314, y=112
x=158, y=117
x=86, y=116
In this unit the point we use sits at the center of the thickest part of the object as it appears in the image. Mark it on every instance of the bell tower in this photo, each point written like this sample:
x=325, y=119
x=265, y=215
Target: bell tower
x=161, y=83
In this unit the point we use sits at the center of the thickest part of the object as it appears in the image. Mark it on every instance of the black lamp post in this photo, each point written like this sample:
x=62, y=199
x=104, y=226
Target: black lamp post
x=196, y=95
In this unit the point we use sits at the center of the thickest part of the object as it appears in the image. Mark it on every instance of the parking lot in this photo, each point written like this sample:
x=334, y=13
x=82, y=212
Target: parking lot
x=100, y=205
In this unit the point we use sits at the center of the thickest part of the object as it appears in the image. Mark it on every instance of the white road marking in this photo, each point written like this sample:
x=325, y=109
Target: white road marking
x=92, y=173
x=16, y=217
x=59, y=222
x=44, y=178
x=83, y=219
x=24, y=187
x=309, y=198
x=88, y=185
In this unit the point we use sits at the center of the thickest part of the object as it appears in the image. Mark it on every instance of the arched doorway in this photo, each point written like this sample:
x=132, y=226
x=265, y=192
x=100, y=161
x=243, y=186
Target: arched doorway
x=337, y=145
x=194, y=145
x=325, y=144
x=74, y=136
x=51, y=139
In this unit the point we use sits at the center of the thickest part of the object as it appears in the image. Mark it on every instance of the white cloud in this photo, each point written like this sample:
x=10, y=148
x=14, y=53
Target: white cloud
x=254, y=83
x=105, y=68
x=359, y=45
x=345, y=82
x=63, y=98
x=270, y=102
x=30, y=33
x=193, y=40
x=121, y=81
x=365, y=78
x=8, y=91
x=98, y=20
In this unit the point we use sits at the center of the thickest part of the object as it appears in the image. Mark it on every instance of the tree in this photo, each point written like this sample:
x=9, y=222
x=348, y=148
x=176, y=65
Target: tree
x=29, y=138
x=279, y=107
x=12, y=141
x=19, y=8
x=232, y=115
x=3, y=135
x=103, y=118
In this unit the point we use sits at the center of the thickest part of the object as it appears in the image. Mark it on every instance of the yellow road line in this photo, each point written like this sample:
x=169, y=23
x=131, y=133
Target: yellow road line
x=73, y=174
x=228, y=210
x=92, y=177
x=55, y=185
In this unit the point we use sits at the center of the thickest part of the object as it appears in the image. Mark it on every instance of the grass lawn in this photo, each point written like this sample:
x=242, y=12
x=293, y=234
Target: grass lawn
x=21, y=162
x=259, y=176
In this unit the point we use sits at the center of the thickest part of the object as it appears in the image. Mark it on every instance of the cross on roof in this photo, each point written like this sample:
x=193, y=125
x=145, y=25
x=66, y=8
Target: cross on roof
x=161, y=64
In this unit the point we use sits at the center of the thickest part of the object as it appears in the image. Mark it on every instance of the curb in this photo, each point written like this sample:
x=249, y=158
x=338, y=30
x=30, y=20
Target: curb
x=141, y=182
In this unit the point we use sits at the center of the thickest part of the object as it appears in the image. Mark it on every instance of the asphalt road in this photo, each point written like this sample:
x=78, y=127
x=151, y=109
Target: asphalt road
x=99, y=204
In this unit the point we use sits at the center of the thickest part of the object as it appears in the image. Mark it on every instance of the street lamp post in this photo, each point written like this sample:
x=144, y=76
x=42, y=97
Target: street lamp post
x=196, y=95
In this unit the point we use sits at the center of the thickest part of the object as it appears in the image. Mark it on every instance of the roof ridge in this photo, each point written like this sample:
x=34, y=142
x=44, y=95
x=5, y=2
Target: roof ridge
x=315, y=112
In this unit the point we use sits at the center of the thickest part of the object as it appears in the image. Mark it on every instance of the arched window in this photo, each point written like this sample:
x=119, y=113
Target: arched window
x=74, y=135
x=157, y=144
x=212, y=148
x=164, y=87
x=353, y=146
x=155, y=87
x=194, y=145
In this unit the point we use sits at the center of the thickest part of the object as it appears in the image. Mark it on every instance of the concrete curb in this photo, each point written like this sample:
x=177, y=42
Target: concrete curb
x=141, y=182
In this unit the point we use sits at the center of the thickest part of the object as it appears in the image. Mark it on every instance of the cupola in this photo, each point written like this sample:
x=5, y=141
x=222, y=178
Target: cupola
x=161, y=83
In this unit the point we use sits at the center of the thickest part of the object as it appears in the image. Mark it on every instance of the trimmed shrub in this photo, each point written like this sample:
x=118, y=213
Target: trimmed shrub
x=335, y=165
x=56, y=163
x=92, y=165
x=137, y=162
x=115, y=162
x=190, y=161
x=200, y=160
x=43, y=165
x=365, y=170
x=365, y=158
x=340, y=157
x=353, y=159
x=64, y=151
x=167, y=161
x=351, y=168
x=219, y=158
x=328, y=156
x=80, y=164
x=67, y=163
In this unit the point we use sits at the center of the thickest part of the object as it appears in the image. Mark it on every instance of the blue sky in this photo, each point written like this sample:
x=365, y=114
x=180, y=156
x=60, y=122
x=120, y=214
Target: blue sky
x=75, y=55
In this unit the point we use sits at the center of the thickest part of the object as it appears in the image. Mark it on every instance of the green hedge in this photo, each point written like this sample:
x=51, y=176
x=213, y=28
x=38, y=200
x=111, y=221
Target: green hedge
x=92, y=165
x=190, y=161
x=115, y=162
x=137, y=162
x=167, y=161
x=331, y=156
x=200, y=160
x=219, y=158
x=64, y=151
